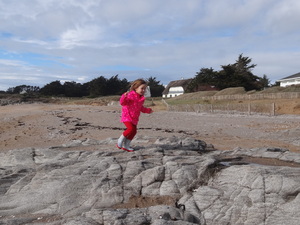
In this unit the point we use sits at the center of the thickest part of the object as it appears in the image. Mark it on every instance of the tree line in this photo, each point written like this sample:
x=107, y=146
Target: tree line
x=238, y=74
x=100, y=86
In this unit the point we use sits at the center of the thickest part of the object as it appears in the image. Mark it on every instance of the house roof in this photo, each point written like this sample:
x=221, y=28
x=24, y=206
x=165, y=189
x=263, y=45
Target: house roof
x=177, y=83
x=297, y=75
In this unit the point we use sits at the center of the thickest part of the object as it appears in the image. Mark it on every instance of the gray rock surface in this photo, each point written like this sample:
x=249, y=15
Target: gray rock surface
x=169, y=181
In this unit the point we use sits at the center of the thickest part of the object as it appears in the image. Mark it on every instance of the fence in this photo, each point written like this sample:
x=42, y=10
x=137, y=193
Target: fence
x=236, y=108
x=281, y=95
x=239, y=108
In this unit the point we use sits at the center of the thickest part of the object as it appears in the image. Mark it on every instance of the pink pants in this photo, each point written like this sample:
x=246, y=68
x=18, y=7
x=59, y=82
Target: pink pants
x=131, y=130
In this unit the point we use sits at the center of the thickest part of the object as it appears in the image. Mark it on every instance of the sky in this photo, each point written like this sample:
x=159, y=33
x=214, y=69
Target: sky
x=79, y=40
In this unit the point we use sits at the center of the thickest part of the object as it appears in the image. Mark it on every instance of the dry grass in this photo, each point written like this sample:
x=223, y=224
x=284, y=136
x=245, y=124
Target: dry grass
x=100, y=101
x=155, y=103
x=196, y=95
x=276, y=89
x=282, y=106
x=232, y=91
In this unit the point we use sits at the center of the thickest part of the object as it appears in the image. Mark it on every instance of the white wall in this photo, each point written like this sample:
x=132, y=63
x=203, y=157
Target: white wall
x=290, y=82
x=174, y=91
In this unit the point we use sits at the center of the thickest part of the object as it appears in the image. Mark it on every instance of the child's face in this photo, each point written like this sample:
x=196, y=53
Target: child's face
x=141, y=89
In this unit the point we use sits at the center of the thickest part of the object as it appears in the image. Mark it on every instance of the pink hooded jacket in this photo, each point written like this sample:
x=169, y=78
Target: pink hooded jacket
x=132, y=106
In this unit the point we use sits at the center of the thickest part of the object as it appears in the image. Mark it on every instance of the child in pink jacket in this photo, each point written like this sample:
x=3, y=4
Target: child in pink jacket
x=132, y=105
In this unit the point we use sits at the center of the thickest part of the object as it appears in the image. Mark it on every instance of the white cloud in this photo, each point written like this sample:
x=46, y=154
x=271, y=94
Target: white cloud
x=72, y=39
x=284, y=18
x=80, y=36
x=11, y=63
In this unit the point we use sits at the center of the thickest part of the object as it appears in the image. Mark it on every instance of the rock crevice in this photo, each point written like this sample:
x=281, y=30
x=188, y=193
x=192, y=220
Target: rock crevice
x=176, y=180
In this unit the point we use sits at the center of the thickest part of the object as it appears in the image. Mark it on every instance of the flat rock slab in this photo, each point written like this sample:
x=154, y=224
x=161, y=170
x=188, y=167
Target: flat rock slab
x=175, y=180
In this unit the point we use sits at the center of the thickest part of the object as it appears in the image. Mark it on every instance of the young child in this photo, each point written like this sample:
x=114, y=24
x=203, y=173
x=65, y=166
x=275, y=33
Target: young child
x=132, y=105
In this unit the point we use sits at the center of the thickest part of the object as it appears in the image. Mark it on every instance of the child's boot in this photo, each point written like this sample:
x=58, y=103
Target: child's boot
x=127, y=145
x=121, y=141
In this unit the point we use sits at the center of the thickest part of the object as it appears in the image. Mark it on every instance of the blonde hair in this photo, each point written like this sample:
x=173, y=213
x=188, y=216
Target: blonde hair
x=135, y=84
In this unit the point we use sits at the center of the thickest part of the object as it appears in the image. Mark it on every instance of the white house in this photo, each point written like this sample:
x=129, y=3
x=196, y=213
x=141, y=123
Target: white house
x=175, y=88
x=290, y=80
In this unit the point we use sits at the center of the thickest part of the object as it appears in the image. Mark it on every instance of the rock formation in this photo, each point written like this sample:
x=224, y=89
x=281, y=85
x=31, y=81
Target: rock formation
x=177, y=180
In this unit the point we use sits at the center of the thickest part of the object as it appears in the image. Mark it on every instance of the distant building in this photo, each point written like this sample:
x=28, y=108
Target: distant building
x=148, y=92
x=176, y=87
x=290, y=80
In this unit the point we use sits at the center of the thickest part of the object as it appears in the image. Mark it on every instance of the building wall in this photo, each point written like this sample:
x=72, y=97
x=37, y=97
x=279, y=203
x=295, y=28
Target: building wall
x=290, y=82
x=174, y=91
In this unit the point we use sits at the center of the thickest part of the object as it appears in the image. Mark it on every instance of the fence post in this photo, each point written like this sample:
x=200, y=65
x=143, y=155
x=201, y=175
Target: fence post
x=273, y=109
x=249, y=108
x=166, y=104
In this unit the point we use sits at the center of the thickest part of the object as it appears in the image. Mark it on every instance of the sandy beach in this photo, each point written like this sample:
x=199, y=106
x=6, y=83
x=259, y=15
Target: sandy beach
x=45, y=125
